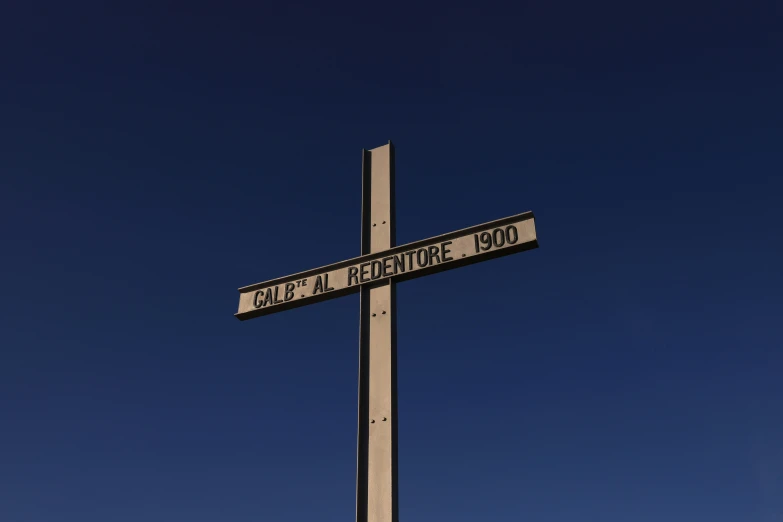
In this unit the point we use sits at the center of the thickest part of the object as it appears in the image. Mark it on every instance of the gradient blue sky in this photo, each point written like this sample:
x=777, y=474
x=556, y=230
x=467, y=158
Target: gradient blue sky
x=156, y=156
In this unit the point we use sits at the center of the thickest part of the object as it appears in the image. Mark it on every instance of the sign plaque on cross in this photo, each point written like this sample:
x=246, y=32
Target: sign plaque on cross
x=374, y=275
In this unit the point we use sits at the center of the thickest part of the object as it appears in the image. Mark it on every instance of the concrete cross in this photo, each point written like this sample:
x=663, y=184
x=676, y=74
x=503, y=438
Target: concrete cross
x=374, y=275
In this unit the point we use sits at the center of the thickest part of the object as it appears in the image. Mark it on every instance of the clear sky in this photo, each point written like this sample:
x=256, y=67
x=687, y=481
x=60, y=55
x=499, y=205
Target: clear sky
x=157, y=156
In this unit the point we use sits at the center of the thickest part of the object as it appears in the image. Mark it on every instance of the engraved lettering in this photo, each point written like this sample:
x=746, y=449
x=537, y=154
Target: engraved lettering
x=352, y=275
x=410, y=259
x=289, y=291
x=434, y=256
x=387, y=268
x=512, y=236
x=364, y=275
x=399, y=263
x=498, y=237
x=445, y=251
x=486, y=241
x=422, y=260
x=376, y=270
x=319, y=286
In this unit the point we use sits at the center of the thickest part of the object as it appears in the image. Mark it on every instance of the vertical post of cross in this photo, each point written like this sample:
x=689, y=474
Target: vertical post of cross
x=376, y=462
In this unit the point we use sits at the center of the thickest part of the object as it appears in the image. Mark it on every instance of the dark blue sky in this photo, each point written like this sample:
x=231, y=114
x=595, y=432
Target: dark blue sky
x=156, y=157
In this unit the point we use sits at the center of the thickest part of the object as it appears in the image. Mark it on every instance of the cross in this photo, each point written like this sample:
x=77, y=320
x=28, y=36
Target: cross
x=374, y=275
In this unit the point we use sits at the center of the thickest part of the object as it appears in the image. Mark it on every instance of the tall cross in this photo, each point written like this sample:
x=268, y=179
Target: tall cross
x=374, y=275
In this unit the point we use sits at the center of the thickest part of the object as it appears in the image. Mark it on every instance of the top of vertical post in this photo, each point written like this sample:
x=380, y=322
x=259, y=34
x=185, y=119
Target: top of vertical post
x=378, y=217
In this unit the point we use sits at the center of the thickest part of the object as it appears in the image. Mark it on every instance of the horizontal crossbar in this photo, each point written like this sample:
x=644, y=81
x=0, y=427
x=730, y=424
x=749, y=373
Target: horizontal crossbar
x=470, y=245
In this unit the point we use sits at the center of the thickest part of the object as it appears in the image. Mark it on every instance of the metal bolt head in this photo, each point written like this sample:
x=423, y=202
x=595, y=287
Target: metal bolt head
x=384, y=418
x=372, y=421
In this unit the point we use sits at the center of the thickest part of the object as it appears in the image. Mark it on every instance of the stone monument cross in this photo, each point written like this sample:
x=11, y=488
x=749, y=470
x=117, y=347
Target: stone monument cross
x=374, y=275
